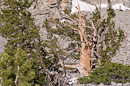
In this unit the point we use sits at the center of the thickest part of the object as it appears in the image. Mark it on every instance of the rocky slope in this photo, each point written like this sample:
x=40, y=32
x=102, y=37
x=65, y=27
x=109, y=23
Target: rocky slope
x=43, y=9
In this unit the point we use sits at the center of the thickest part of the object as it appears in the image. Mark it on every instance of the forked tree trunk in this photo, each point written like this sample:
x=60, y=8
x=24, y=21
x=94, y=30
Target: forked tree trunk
x=87, y=46
x=85, y=65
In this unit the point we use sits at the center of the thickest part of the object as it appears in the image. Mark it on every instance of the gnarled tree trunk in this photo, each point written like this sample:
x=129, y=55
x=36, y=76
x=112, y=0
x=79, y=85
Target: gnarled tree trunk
x=87, y=46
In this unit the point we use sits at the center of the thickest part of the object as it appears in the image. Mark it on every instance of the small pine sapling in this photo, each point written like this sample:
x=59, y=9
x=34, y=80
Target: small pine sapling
x=17, y=70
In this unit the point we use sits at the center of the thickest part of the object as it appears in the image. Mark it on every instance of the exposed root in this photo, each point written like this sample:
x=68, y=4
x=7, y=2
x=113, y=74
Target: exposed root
x=79, y=67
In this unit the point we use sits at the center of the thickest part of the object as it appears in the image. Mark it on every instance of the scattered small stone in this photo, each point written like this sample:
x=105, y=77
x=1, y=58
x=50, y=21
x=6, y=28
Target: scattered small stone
x=119, y=84
x=73, y=80
x=61, y=69
x=126, y=84
x=113, y=83
x=101, y=84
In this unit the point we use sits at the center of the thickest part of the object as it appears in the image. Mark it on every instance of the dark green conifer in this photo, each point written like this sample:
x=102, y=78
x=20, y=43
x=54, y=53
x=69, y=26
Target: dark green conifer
x=17, y=26
x=112, y=36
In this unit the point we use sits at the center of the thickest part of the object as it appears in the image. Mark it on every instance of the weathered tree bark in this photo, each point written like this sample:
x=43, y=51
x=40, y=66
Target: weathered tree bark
x=87, y=46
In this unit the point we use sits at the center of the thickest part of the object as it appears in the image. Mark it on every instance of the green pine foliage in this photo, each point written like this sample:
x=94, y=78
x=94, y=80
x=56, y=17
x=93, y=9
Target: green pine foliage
x=61, y=29
x=64, y=32
x=21, y=56
x=17, y=25
x=107, y=73
x=110, y=11
x=109, y=42
x=53, y=54
x=112, y=36
x=17, y=70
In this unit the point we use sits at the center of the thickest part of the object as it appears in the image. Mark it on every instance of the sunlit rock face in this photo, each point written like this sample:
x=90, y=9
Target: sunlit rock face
x=42, y=9
x=45, y=9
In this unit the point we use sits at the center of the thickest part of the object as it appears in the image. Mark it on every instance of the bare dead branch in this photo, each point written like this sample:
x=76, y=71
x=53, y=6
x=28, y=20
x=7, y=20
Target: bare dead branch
x=99, y=57
x=73, y=28
x=17, y=75
x=57, y=76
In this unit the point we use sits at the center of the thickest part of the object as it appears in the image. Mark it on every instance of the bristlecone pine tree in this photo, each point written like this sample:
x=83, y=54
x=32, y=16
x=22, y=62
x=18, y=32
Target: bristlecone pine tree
x=96, y=37
x=20, y=64
x=17, y=26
